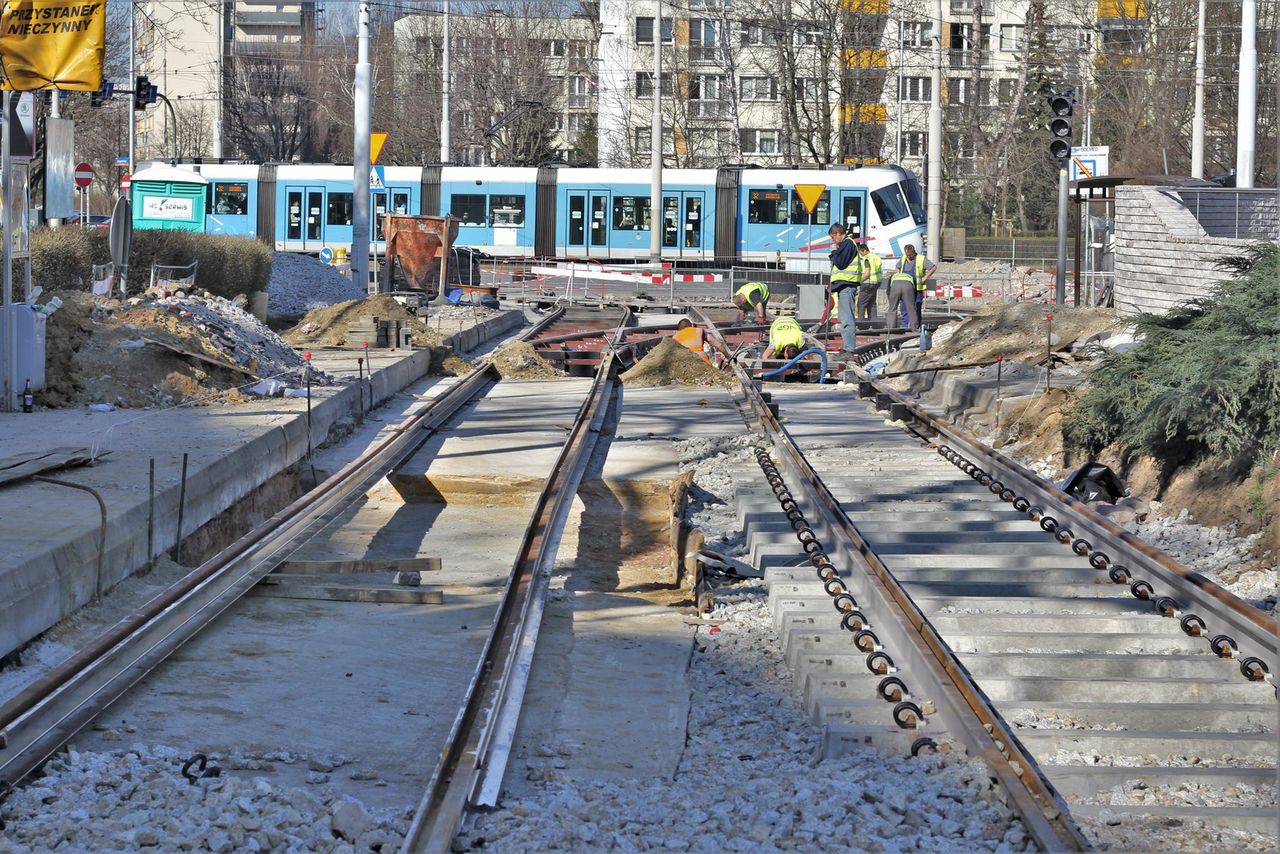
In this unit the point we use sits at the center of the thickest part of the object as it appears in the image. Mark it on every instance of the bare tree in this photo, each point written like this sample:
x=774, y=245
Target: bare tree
x=267, y=110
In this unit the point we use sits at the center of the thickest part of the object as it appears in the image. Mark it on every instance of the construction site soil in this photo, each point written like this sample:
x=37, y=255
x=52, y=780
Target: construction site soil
x=327, y=326
x=158, y=350
x=519, y=361
x=669, y=364
x=1019, y=332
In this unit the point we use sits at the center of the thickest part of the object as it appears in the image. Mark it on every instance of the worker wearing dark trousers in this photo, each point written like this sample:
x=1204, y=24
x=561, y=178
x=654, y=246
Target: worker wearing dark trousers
x=872, y=273
x=846, y=273
x=902, y=294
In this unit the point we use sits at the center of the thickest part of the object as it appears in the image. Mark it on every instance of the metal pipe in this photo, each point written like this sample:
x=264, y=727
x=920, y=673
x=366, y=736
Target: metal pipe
x=6, y=303
x=151, y=511
x=361, y=165
x=219, y=45
x=102, y=525
x=445, y=92
x=1197, y=121
x=933, y=237
x=1060, y=280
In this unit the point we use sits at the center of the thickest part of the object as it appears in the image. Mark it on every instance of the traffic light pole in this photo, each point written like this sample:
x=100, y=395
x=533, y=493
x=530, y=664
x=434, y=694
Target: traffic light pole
x=1060, y=281
x=133, y=71
x=360, y=148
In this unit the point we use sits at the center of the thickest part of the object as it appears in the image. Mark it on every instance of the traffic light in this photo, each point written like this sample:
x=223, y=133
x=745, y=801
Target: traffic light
x=141, y=92
x=103, y=95
x=1060, y=107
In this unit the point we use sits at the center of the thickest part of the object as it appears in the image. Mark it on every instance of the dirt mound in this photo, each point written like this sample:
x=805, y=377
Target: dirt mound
x=670, y=363
x=1018, y=331
x=327, y=326
x=445, y=363
x=519, y=361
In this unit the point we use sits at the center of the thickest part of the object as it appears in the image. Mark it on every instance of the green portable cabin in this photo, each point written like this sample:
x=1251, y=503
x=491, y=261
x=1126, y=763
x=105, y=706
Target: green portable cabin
x=165, y=197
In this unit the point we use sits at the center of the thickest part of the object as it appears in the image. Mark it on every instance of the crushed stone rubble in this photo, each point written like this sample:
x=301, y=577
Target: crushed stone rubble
x=711, y=509
x=234, y=332
x=300, y=283
x=753, y=778
x=137, y=799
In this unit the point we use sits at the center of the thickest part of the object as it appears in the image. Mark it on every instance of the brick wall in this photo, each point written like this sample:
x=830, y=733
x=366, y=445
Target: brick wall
x=1163, y=256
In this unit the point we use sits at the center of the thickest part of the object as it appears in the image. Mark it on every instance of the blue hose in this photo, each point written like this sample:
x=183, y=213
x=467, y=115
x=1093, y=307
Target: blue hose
x=822, y=354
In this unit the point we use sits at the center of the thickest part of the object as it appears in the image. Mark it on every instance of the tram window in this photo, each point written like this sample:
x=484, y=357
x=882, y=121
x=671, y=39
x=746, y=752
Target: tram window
x=339, y=209
x=914, y=201
x=468, y=207
x=767, y=206
x=506, y=210
x=231, y=199
x=631, y=213
x=821, y=213
x=890, y=206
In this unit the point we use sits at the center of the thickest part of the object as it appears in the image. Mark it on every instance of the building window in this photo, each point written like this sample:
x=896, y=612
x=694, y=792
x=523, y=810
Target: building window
x=756, y=34
x=914, y=143
x=807, y=89
x=579, y=92
x=631, y=213
x=916, y=90
x=644, y=134
x=644, y=85
x=574, y=125
x=759, y=89
x=644, y=30
x=1011, y=37
x=232, y=199
x=807, y=37
x=709, y=96
x=468, y=208
x=916, y=33
x=759, y=141
x=958, y=90
x=339, y=212
x=961, y=145
x=1008, y=90
x=767, y=206
x=579, y=49
x=555, y=47
x=704, y=42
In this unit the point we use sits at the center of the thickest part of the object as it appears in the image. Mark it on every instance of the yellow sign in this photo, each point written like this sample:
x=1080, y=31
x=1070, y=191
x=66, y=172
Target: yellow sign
x=53, y=44
x=377, y=139
x=810, y=194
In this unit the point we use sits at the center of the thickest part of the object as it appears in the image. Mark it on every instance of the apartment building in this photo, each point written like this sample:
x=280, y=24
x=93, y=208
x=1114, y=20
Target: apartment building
x=523, y=89
x=265, y=48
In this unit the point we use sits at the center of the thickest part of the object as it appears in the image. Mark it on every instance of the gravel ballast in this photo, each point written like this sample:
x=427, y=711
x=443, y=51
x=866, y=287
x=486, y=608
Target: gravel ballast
x=300, y=283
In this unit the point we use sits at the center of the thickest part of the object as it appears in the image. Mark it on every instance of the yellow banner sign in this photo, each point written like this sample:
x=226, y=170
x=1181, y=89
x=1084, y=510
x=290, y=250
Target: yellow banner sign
x=52, y=44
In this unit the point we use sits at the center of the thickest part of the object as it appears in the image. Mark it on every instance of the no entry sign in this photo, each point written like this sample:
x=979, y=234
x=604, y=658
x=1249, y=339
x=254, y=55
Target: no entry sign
x=125, y=182
x=84, y=175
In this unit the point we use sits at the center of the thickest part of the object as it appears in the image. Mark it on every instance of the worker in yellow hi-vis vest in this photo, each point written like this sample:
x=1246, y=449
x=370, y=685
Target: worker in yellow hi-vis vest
x=753, y=297
x=786, y=339
x=872, y=273
x=846, y=273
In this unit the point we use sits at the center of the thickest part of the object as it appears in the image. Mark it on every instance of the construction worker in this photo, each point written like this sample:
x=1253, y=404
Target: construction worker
x=846, y=273
x=921, y=269
x=691, y=336
x=902, y=297
x=753, y=296
x=786, y=339
x=872, y=273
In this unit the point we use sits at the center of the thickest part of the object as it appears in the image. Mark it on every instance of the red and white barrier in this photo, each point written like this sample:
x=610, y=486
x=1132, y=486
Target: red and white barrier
x=955, y=291
x=632, y=276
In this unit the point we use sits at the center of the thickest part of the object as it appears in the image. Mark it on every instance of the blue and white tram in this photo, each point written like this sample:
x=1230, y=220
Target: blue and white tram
x=722, y=216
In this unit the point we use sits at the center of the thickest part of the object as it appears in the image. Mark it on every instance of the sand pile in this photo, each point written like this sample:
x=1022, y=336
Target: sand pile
x=670, y=363
x=1018, y=331
x=327, y=326
x=519, y=361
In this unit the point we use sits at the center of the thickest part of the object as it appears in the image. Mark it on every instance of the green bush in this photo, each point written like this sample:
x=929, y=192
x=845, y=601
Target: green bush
x=62, y=258
x=1203, y=381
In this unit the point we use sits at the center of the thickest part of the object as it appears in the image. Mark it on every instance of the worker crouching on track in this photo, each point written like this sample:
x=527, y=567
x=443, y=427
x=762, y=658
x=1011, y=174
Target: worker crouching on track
x=692, y=337
x=753, y=297
x=902, y=296
x=786, y=341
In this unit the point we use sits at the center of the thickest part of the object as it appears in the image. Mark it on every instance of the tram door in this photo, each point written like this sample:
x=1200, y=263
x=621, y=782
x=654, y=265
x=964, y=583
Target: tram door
x=682, y=223
x=853, y=207
x=588, y=224
x=304, y=225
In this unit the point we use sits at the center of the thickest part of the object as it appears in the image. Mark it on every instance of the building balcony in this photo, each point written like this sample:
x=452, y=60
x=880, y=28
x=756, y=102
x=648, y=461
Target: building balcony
x=286, y=20
x=710, y=109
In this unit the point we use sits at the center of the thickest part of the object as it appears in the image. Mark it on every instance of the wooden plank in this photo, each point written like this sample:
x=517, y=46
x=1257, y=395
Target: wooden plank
x=317, y=567
x=231, y=366
x=374, y=595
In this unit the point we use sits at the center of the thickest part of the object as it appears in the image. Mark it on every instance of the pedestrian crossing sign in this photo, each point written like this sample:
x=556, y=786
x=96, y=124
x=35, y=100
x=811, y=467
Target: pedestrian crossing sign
x=377, y=177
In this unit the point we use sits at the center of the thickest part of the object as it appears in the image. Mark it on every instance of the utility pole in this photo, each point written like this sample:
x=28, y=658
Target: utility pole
x=656, y=213
x=1197, y=121
x=361, y=167
x=902, y=58
x=933, y=237
x=218, y=81
x=133, y=76
x=445, y=143
x=1247, y=114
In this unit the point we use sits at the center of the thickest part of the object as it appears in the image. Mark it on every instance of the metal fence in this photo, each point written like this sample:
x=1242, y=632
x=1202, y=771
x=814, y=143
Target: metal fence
x=1233, y=212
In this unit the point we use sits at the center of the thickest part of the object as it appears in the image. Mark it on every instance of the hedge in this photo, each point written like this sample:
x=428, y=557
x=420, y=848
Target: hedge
x=62, y=259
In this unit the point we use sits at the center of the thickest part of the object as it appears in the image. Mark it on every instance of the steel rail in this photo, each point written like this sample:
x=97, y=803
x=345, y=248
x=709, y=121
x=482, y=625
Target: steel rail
x=1190, y=589
x=474, y=757
x=968, y=714
x=35, y=722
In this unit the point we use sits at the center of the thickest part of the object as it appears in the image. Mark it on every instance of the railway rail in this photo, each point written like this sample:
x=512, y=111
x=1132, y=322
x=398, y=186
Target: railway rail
x=65, y=700
x=1040, y=643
